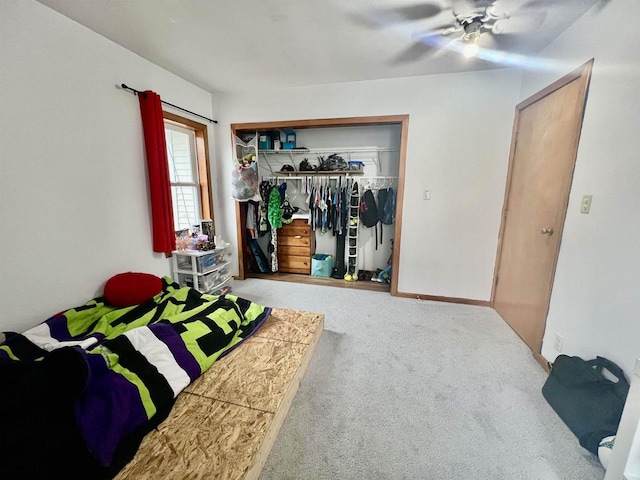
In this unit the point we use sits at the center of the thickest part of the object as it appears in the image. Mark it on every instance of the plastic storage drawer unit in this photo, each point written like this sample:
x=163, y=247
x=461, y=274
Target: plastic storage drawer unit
x=206, y=271
x=202, y=261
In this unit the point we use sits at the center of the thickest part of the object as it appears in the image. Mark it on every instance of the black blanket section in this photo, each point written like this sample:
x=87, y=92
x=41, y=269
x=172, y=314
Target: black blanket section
x=39, y=437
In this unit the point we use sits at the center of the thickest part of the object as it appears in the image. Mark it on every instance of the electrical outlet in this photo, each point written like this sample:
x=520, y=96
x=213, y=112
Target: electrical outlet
x=558, y=343
x=427, y=195
x=585, y=206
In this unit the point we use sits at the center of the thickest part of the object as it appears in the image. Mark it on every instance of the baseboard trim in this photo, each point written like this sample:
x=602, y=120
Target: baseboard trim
x=435, y=298
x=544, y=363
x=331, y=282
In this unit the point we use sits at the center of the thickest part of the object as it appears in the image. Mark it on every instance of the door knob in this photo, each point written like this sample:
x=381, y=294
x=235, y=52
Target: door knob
x=547, y=231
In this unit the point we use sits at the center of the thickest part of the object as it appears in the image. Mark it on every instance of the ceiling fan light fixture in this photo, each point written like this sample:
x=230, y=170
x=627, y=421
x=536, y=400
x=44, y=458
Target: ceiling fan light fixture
x=471, y=49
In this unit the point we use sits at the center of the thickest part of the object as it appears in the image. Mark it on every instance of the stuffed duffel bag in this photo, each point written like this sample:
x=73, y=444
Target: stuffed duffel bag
x=587, y=402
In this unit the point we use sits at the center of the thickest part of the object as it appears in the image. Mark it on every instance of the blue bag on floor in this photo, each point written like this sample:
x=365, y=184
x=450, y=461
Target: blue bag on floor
x=321, y=265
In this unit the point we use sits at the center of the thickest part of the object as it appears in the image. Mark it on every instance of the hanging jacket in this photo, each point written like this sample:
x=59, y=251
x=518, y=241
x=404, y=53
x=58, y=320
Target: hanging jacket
x=275, y=210
x=263, y=222
x=388, y=208
x=382, y=199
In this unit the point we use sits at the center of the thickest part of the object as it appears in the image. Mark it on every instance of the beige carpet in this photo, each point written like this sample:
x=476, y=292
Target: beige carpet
x=406, y=389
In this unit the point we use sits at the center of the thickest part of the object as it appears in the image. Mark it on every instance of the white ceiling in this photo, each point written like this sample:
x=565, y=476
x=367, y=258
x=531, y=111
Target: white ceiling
x=227, y=45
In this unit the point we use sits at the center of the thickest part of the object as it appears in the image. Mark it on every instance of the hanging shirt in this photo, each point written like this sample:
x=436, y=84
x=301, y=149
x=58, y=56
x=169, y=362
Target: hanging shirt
x=263, y=222
x=252, y=212
x=312, y=208
x=275, y=210
x=330, y=209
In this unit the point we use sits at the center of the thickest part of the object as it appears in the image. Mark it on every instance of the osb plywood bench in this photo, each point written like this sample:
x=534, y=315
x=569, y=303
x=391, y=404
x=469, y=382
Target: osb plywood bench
x=224, y=424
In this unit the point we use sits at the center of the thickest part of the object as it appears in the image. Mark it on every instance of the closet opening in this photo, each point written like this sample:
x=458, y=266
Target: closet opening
x=324, y=170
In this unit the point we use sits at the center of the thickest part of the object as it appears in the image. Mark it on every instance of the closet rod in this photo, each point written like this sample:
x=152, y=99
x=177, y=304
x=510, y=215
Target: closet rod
x=138, y=92
x=332, y=177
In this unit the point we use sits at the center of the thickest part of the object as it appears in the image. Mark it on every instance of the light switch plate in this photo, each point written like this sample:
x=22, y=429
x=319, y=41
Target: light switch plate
x=585, y=206
x=427, y=195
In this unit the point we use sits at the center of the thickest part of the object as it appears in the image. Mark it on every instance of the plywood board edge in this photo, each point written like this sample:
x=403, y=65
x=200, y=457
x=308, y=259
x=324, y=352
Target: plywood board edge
x=278, y=420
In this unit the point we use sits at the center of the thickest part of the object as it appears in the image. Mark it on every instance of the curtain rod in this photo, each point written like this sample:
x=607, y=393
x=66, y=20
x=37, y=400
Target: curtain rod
x=138, y=92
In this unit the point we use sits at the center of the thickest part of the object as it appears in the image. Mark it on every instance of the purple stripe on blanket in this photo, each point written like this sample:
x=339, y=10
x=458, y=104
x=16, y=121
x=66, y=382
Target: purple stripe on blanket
x=58, y=327
x=108, y=409
x=166, y=333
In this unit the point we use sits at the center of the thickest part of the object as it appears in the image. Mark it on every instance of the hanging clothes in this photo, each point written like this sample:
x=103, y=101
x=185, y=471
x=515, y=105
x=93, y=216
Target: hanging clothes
x=275, y=220
x=312, y=208
x=323, y=211
x=330, y=209
x=317, y=207
x=273, y=250
x=382, y=199
x=274, y=212
x=389, y=208
x=252, y=217
x=336, y=211
x=344, y=207
x=263, y=221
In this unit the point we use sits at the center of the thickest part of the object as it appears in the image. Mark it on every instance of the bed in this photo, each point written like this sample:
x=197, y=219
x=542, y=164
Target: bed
x=180, y=384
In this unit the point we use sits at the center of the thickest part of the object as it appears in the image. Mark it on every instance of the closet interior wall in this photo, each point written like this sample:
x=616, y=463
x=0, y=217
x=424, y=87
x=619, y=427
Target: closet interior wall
x=380, y=171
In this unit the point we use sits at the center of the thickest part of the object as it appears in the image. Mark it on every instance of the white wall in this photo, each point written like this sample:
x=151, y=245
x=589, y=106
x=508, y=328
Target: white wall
x=595, y=304
x=74, y=206
x=458, y=147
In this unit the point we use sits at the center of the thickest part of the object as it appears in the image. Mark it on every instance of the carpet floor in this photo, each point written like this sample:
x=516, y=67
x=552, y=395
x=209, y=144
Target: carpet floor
x=407, y=389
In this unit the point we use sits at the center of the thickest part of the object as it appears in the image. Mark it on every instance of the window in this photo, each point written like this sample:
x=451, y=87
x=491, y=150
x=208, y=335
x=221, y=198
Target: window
x=187, y=153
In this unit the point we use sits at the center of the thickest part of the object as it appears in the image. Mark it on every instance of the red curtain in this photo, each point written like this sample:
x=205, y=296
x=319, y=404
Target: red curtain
x=164, y=237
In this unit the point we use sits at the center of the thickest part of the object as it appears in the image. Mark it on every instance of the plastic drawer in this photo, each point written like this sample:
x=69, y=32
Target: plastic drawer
x=204, y=262
x=210, y=280
x=207, y=281
x=222, y=288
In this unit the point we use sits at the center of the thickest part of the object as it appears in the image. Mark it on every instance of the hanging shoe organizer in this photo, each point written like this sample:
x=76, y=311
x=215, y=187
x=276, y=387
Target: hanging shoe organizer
x=352, y=232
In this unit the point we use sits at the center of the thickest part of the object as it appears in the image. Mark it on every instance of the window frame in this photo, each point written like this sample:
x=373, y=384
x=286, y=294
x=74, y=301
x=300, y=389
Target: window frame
x=203, y=163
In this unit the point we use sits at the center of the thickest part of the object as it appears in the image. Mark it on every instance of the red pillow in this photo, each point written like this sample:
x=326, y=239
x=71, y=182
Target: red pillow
x=127, y=289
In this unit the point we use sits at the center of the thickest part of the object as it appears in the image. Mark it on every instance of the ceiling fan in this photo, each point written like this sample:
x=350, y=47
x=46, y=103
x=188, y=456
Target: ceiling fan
x=470, y=24
x=492, y=20
x=465, y=25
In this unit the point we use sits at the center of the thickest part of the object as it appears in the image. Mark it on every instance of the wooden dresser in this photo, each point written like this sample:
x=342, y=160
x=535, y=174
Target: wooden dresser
x=296, y=246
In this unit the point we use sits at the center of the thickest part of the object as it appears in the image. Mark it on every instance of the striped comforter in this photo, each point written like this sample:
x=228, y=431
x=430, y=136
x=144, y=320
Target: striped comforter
x=136, y=360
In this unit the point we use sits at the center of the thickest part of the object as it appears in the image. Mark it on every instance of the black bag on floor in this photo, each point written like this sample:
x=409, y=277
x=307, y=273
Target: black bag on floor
x=587, y=402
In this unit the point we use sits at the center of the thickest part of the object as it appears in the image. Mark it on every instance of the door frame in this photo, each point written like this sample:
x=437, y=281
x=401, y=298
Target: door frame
x=401, y=120
x=582, y=71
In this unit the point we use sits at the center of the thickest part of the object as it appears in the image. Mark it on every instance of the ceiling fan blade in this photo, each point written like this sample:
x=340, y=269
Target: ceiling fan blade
x=415, y=52
x=426, y=42
x=519, y=23
x=501, y=42
x=447, y=29
x=419, y=11
x=383, y=17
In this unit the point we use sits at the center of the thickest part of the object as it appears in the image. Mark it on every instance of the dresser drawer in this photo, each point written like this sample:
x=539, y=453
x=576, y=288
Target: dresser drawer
x=295, y=264
x=295, y=229
x=286, y=250
x=294, y=241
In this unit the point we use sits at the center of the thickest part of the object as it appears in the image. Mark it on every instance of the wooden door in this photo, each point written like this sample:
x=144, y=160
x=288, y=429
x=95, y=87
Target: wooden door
x=543, y=153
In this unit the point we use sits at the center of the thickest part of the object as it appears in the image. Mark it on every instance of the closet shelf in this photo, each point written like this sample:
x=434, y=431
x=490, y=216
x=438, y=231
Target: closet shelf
x=348, y=152
x=336, y=150
x=323, y=172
